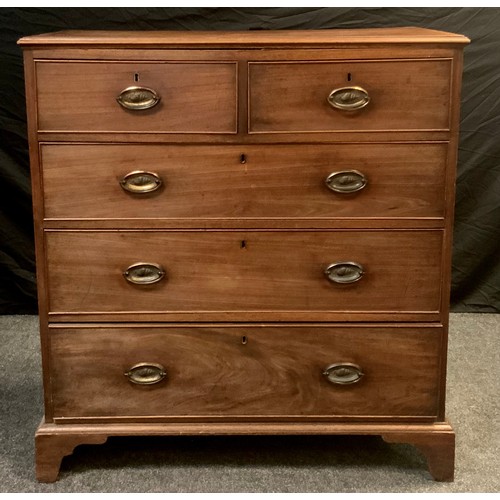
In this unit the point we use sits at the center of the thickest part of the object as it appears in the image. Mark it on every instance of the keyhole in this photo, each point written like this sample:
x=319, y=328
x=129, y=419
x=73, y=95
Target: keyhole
x=136, y=77
x=243, y=158
x=349, y=77
x=244, y=340
x=243, y=244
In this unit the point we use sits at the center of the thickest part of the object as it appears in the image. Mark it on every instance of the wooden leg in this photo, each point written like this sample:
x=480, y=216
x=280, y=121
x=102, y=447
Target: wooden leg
x=438, y=448
x=52, y=448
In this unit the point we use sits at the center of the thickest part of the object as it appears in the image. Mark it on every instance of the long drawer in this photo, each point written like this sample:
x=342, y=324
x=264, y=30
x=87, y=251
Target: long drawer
x=163, y=97
x=241, y=272
x=357, y=96
x=228, y=372
x=201, y=182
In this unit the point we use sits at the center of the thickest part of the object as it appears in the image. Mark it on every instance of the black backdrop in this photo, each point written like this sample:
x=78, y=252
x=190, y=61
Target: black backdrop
x=476, y=262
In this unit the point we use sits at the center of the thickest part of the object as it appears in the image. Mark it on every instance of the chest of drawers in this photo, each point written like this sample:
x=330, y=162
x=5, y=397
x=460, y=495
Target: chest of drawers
x=243, y=233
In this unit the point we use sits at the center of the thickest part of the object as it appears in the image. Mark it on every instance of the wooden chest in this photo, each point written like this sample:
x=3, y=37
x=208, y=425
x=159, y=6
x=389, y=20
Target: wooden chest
x=244, y=233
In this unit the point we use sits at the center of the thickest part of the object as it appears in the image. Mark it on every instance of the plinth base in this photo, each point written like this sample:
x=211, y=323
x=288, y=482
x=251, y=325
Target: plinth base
x=54, y=442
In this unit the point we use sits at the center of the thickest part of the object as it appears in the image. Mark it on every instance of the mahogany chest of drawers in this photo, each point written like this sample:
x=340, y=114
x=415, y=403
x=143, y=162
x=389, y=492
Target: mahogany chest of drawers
x=244, y=233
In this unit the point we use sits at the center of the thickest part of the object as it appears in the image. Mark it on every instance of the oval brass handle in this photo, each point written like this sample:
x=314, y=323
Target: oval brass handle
x=346, y=181
x=343, y=373
x=344, y=272
x=137, y=98
x=349, y=98
x=146, y=373
x=140, y=182
x=142, y=273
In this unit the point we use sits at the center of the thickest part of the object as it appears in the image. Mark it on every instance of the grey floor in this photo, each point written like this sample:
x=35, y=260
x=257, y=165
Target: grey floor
x=259, y=464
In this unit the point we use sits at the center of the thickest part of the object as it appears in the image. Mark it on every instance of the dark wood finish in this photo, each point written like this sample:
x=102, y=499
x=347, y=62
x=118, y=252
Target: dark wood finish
x=372, y=136
x=405, y=95
x=438, y=449
x=244, y=242
x=195, y=97
x=316, y=38
x=52, y=447
x=297, y=223
x=37, y=195
x=450, y=210
x=246, y=315
x=273, y=181
x=252, y=370
x=281, y=53
x=244, y=271
x=440, y=433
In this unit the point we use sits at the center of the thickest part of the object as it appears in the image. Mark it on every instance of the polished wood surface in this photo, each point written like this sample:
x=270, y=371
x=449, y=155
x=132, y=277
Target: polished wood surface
x=297, y=53
x=391, y=36
x=404, y=95
x=244, y=271
x=235, y=182
x=451, y=173
x=436, y=440
x=37, y=199
x=52, y=448
x=195, y=97
x=244, y=239
x=438, y=449
x=242, y=371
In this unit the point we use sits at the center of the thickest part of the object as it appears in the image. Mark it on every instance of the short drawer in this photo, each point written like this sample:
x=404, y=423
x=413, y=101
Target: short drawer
x=245, y=181
x=379, y=95
x=229, y=372
x=194, y=97
x=241, y=272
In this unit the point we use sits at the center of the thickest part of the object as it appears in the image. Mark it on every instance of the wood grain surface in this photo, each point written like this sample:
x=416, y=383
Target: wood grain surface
x=244, y=226
x=244, y=271
x=317, y=38
x=435, y=440
x=277, y=371
x=82, y=181
x=81, y=96
x=404, y=95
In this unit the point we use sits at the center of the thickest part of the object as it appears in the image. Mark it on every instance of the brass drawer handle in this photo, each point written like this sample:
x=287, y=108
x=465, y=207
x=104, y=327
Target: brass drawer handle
x=142, y=273
x=137, y=98
x=346, y=181
x=140, y=182
x=349, y=98
x=146, y=373
x=344, y=272
x=343, y=373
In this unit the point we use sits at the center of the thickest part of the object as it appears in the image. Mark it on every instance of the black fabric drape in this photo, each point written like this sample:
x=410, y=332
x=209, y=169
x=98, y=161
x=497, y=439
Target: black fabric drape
x=476, y=265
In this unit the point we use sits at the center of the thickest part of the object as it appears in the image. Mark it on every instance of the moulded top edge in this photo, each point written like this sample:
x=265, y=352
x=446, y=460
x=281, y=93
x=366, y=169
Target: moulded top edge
x=254, y=38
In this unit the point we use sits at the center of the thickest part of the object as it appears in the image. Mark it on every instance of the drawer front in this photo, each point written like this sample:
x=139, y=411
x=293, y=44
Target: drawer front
x=82, y=97
x=403, y=95
x=293, y=181
x=238, y=271
x=250, y=370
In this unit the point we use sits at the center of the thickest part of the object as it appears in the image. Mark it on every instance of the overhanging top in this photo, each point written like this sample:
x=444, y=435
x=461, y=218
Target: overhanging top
x=233, y=39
